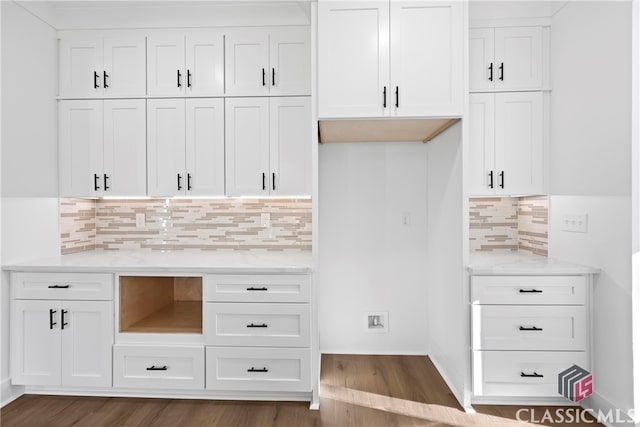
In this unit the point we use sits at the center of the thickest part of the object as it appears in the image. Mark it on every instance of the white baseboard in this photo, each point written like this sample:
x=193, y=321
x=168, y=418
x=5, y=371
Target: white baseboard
x=8, y=392
x=611, y=415
x=456, y=393
x=373, y=352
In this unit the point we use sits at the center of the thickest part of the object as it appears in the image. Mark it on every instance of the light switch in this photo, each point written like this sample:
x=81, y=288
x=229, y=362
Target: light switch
x=575, y=222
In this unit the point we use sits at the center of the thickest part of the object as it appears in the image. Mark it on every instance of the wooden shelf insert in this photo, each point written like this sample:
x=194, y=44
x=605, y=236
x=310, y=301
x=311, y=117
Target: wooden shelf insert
x=178, y=317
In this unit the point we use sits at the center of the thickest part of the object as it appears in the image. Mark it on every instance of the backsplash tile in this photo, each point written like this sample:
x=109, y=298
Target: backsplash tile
x=206, y=224
x=500, y=224
x=77, y=225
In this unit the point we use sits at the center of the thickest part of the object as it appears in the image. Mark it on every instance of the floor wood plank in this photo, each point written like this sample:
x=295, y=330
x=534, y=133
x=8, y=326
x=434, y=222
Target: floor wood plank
x=356, y=390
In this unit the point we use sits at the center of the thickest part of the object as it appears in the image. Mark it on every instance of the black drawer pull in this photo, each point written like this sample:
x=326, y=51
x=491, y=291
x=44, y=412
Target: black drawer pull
x=253, y=325
x=63, y=312
x=51, y=322
x=58, y=286
x=157, y=368
x=533, y=328
x=530, y=291
x=257, y=289
x=534, y=375
x=257, y=370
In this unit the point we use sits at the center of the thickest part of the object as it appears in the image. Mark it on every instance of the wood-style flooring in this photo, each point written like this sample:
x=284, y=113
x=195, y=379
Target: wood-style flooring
x=368, y=391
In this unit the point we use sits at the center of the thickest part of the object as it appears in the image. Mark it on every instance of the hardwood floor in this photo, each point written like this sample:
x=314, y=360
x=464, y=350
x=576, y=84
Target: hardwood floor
x=366, y=391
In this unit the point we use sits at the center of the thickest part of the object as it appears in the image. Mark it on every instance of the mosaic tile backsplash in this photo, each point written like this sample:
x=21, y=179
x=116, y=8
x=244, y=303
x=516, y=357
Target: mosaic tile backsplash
x=176, y=224
x=509, y=224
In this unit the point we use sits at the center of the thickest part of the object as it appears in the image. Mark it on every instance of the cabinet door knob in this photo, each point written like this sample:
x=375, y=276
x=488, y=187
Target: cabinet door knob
x=491, y=72
x=179, y=75
x=96, y=179
x=95, y=80
x=51, y=322
x=501, y=67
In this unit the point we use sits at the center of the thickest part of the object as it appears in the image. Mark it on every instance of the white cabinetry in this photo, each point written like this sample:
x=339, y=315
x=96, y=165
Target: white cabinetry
x=525, y=331
x=390, y=58
x=272, y=155
x=185, y=65
x=57, y=341
x=268, y=61
x=507, y=145
x=102, y=148
x=92, y=66
x=506, y=58
x=186, y=147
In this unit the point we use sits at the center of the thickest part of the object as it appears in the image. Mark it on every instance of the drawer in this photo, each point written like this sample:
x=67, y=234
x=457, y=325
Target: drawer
x=562, y=290
x=498, y=327
x=62, y=286
x=259, y=369
x=156, y=367
x=258, y=288
x=521, y=373
x=259, y=325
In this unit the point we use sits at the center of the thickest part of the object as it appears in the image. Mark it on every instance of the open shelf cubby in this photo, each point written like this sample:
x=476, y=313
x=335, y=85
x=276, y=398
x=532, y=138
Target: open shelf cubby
x=151, y=304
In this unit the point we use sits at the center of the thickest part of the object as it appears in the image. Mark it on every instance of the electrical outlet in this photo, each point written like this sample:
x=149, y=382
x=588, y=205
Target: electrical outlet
x=575, y=222
x=405, y=219
x=140, y=220
x=377, y=321
x=265, y=219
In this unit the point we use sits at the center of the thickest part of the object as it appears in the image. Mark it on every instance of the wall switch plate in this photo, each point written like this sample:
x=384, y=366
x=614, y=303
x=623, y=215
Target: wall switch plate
x=377, y=322
x=405, y=219
x=265, y=219
x=140, y=220
x=575, y=222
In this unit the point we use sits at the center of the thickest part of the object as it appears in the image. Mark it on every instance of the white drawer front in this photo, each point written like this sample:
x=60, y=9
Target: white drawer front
x=158, y=367
x=259, y=369
x=497, y=327
x=521, y=373
x=564, y=290
x=260, y=325
x=258, y=288
x=62, y=286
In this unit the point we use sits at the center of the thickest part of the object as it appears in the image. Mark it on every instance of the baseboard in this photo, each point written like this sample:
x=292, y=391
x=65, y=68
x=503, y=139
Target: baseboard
x=607, y=413
x=373, y=352
x=8, y=392
x=456, y=393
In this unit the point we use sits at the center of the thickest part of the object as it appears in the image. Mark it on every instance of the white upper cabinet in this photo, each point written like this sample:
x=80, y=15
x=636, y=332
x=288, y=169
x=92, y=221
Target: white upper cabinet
x=186, y=147
x=273, y=155
x=506, y=149
x=185, y=65
x=102, y=148
x=390, y=58
x=102, y=67
x=268, y=61
x=510, y=58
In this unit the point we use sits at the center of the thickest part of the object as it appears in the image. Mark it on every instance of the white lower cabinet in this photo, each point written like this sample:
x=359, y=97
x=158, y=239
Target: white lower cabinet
x=158, y=367
x=258, y=369
x=525, y=331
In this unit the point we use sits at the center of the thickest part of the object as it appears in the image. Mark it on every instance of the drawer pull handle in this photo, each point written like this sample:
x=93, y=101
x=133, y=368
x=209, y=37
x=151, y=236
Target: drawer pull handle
x=534, y=375
x=157, y=368
x=533, y=328
x=257, y=370
x=257, y=289
x=530, y=291
x=253, y=325
x=58, y=286
x=51, y=322
x=62, y=313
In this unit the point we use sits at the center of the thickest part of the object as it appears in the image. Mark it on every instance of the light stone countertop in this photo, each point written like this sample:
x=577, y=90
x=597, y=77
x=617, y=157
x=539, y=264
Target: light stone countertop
x=186, y=261
x=523, y=263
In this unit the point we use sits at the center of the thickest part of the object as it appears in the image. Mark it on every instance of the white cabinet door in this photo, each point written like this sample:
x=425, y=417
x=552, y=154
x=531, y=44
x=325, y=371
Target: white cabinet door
x=81, y=67
x=35, y=342
x=124, y=66
x=290, y=61
x=247, y=146
x=87, y=336
x=125, y=154
x=481, y=174
x=290, y=146
x=247, y=62
x=205, y=64
x=166, y=147
x=482, y=71
x=353, y=58
x=518, y=58
x=165, y=65
x=80, y=144
x=519, y=143
x=426, y=58
x=205, y=146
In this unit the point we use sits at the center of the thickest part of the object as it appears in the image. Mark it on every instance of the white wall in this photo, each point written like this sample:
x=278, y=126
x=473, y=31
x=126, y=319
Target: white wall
x=446, y=305
x=590, y=172
x=369, y=261
x=28, y=153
